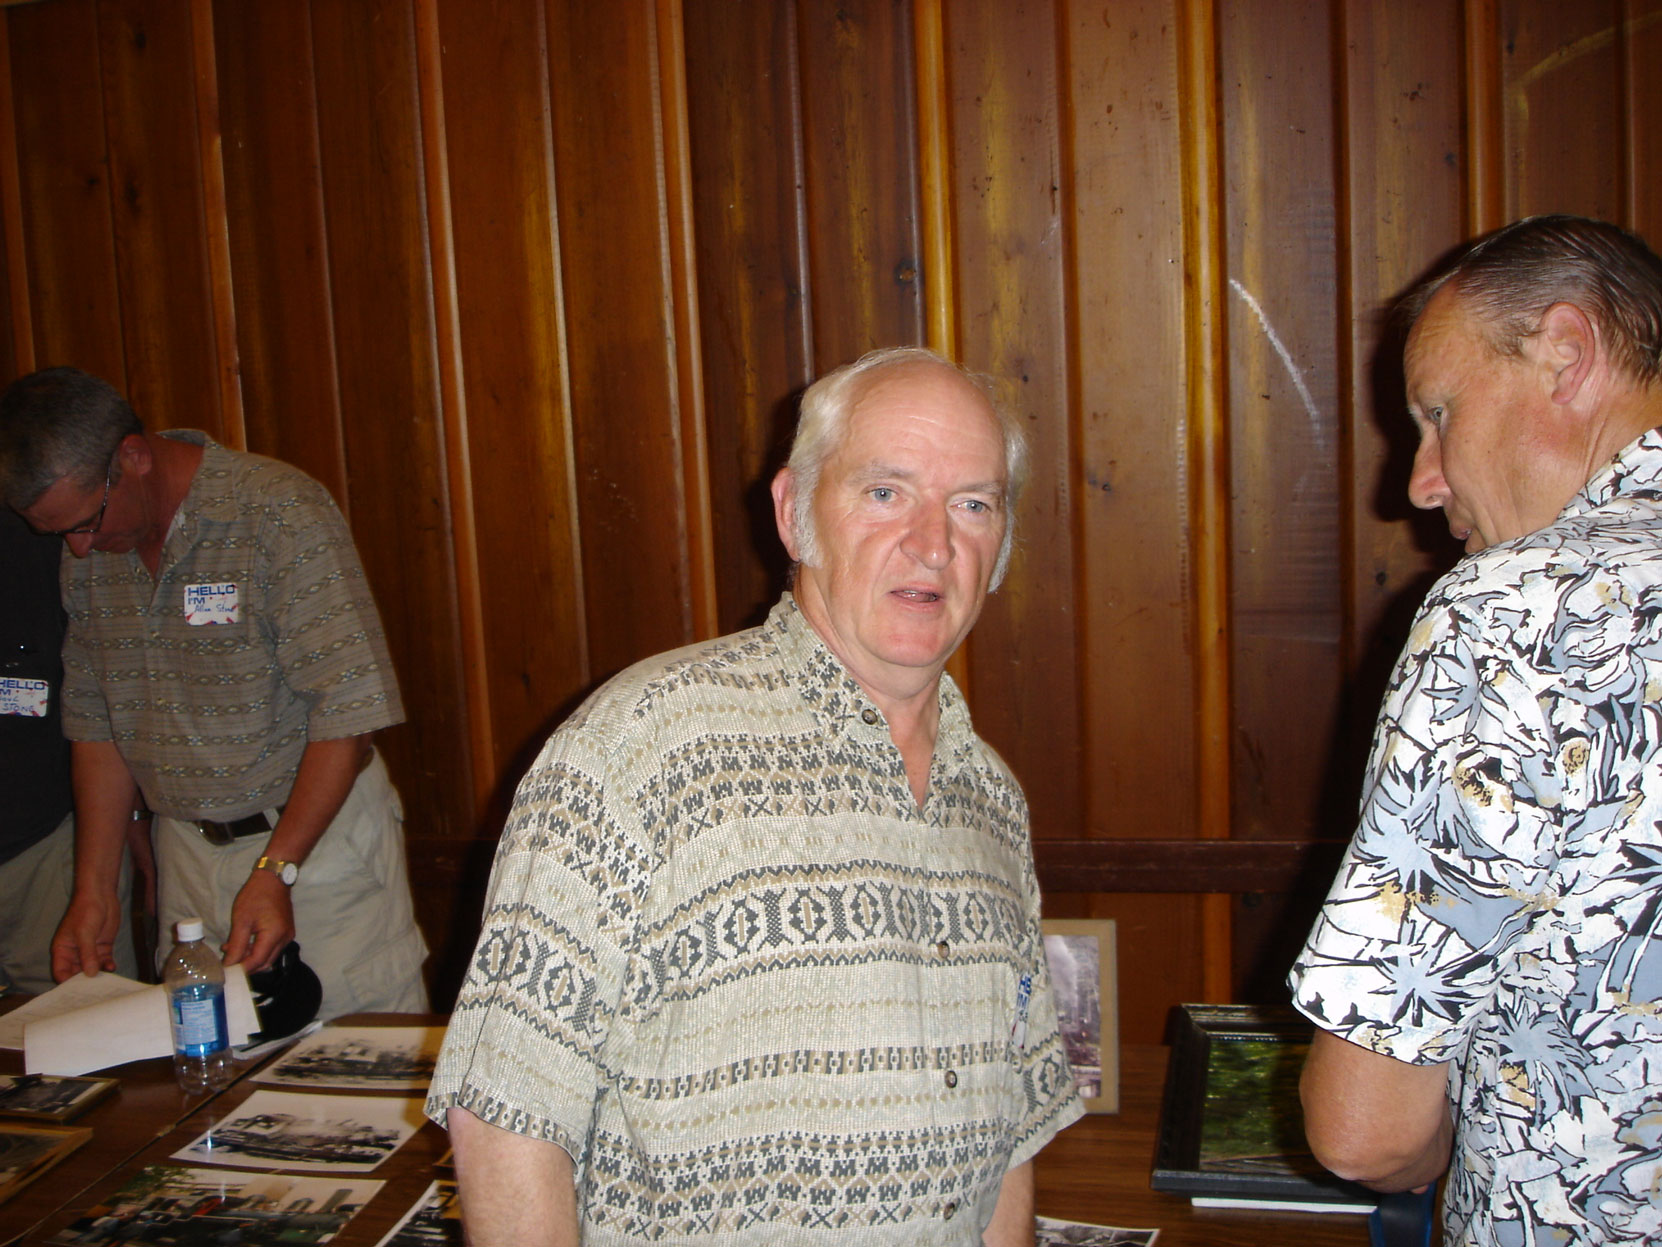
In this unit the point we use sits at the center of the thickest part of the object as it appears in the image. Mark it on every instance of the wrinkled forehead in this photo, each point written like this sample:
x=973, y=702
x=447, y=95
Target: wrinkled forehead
x=927, y=404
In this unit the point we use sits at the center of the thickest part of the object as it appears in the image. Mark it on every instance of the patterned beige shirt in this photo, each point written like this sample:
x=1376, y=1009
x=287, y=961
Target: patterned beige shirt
x=756, y=992
x=258, y=634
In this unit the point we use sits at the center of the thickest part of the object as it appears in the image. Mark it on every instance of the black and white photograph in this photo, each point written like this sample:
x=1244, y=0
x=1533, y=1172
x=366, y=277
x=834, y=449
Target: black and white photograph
x=364, y=1058
x=435, y=1221
x=1052, y=1233
x=47, y=1097
x=26, y=1152
x=286, y=1130
x=1080, y=954
x=209, y=1207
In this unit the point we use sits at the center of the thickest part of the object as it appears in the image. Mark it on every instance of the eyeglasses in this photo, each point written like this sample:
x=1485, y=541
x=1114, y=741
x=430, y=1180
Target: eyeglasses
x=97, y=522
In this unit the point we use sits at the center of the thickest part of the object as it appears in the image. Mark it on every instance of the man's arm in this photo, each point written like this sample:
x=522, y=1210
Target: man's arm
x=516, y=1192
x=1012, y=1223
x=262, y=917
x=1373, y=1119
x=104, y=796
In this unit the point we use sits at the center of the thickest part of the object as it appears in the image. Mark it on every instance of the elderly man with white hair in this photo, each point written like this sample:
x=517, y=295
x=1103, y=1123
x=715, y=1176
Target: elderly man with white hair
x=761, y=959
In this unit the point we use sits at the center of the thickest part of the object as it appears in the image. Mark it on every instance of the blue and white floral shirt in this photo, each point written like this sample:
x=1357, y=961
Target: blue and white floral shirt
x=1498, y=905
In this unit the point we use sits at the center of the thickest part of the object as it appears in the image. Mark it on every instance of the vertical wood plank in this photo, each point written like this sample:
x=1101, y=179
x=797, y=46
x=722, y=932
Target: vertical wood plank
x=1642, y=53
x=1006, y=167
x=1122, y=195
x=17, y=346
x=1485, y=164
x=1561, y=72
x=279, y=251
x=216, y=236
x=63, y=168
x=676, y=143
x=859, y=139
x=512, y=339
x=608, y=153
x=380, y=278
x=744, y=140
x=161, y=253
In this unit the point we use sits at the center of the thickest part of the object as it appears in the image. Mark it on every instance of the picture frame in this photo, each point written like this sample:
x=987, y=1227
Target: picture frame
x=1084, y=982
x=1231, y=1126
x=27, y=1151
x=49, y=1097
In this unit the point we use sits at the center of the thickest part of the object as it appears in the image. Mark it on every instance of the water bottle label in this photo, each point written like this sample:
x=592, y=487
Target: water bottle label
x=199, y=1025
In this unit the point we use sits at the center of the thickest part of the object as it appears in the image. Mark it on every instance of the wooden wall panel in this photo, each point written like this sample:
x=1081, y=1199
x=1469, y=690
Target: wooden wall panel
x=160, y=234
x=496, y=76
x=859, y=144
x=746, y=146
x=1002, y=69
x=1561, y=74
x=1278, y=91
x=1121, y=194
x=380, y=285
x=280, y=277
x=75, y=302
x=532, y=286
x=608, y=162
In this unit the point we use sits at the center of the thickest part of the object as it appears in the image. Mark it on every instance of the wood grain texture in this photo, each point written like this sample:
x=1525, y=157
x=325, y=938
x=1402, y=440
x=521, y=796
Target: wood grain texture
x=161, y=244
x=68, y=233
x=278, y=244
x=380, y=282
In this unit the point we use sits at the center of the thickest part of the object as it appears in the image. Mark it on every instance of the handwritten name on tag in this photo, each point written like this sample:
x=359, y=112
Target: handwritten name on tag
x=24, y=697
x=212, y=604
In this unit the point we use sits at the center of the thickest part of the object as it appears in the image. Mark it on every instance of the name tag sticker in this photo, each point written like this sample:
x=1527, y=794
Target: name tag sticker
x=24, y=697
x=1024, y=997
x=211, y=604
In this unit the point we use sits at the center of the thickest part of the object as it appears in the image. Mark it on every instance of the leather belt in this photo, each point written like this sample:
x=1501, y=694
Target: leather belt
x=256, y=824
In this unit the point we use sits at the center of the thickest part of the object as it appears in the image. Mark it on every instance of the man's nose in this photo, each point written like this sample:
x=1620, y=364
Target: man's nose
x=1426, y=487
x=929, y=539
x=80, y=544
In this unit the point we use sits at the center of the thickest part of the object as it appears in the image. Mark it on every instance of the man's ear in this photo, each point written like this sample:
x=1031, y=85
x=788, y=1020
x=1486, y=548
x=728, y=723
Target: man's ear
x=784, y=510
x=1569, y=346
x=135, y=455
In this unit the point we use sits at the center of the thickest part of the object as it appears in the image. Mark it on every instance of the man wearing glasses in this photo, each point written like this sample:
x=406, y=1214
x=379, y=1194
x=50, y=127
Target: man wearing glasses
x=226, y=668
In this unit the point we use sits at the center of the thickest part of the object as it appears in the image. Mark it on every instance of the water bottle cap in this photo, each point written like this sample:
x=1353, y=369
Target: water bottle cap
x=189, y=929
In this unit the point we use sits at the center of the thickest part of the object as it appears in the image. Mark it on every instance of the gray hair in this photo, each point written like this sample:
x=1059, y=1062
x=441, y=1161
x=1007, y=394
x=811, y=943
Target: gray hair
x=826, y=406
x=59, y=423
x=1511, y=277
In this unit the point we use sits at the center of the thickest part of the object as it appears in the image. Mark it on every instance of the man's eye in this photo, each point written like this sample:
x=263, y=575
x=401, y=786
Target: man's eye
x=1434, y=417
x=882, y=493
x=976, y=505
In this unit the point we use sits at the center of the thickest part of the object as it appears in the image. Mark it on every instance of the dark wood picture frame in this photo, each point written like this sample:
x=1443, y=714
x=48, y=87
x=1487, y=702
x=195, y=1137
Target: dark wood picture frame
x=1230, y=1124
x=50, y=1097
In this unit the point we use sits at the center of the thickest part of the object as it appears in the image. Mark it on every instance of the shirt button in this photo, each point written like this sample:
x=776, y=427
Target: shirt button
x=952, y=1078
x=868, y=716
x=941, y=950
x=948, y=1211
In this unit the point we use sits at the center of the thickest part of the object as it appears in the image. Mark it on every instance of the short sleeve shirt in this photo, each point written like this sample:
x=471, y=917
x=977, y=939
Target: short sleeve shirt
x=1499, y=904
x=758, y=993
x=258, y=635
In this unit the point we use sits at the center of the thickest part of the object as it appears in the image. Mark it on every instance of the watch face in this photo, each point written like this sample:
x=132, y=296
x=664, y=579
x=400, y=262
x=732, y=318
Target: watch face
x=289, y=873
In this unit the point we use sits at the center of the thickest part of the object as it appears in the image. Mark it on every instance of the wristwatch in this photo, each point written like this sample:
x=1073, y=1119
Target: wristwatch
x=288, y=872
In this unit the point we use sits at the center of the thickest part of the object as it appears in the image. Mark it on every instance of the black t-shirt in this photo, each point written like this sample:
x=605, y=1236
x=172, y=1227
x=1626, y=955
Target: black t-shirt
x=35, y=792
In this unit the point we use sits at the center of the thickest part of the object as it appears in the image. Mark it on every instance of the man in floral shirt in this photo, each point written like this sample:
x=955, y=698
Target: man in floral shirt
x=1483, y=976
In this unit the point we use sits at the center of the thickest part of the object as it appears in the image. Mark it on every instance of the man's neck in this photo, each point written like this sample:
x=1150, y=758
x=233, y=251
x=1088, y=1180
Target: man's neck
x=174, y=468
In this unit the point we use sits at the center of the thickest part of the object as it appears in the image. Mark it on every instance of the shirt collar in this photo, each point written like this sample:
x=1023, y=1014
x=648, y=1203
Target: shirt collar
x=1636, y=470
x=210, y=496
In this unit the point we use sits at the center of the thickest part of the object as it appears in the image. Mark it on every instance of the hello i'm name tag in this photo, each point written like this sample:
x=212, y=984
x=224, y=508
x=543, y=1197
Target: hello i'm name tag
x=23, y=697
x=211, y=604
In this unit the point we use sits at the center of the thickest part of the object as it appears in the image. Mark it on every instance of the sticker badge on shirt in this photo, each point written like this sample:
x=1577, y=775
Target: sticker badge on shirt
x=1024, y=997
x=23, y=697
x=211, y=604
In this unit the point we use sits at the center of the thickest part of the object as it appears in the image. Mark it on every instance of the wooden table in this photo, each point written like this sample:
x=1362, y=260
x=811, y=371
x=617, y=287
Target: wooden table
x=406, y=1174
x=1097, y=1171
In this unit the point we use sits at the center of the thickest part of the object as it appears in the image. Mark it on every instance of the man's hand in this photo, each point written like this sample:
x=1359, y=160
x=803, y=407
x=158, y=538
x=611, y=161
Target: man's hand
x=262, y=922
x=85, y=939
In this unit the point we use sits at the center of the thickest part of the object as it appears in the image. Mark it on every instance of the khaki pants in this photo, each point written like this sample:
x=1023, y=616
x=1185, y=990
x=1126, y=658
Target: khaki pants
x=34, y=891
x=352, y=912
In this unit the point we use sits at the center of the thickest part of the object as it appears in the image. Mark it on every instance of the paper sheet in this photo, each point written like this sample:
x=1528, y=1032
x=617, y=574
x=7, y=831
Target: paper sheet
x=86, y=1024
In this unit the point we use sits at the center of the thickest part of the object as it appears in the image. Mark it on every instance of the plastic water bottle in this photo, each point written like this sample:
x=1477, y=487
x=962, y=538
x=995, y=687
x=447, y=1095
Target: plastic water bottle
x=195, y=983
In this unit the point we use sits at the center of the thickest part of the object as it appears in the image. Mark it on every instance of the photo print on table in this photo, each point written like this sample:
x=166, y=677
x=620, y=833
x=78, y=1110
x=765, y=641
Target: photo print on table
x=286, y=1130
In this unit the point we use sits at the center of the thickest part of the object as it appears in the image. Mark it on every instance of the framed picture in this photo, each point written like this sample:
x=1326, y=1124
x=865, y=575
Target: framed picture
x=26, y=1152
x=1230, y=1124
x=1080, y=952
x=47, y=1097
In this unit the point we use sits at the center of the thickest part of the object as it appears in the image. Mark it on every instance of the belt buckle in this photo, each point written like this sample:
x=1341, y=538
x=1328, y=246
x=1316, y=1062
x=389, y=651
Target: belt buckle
x=214, y=833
